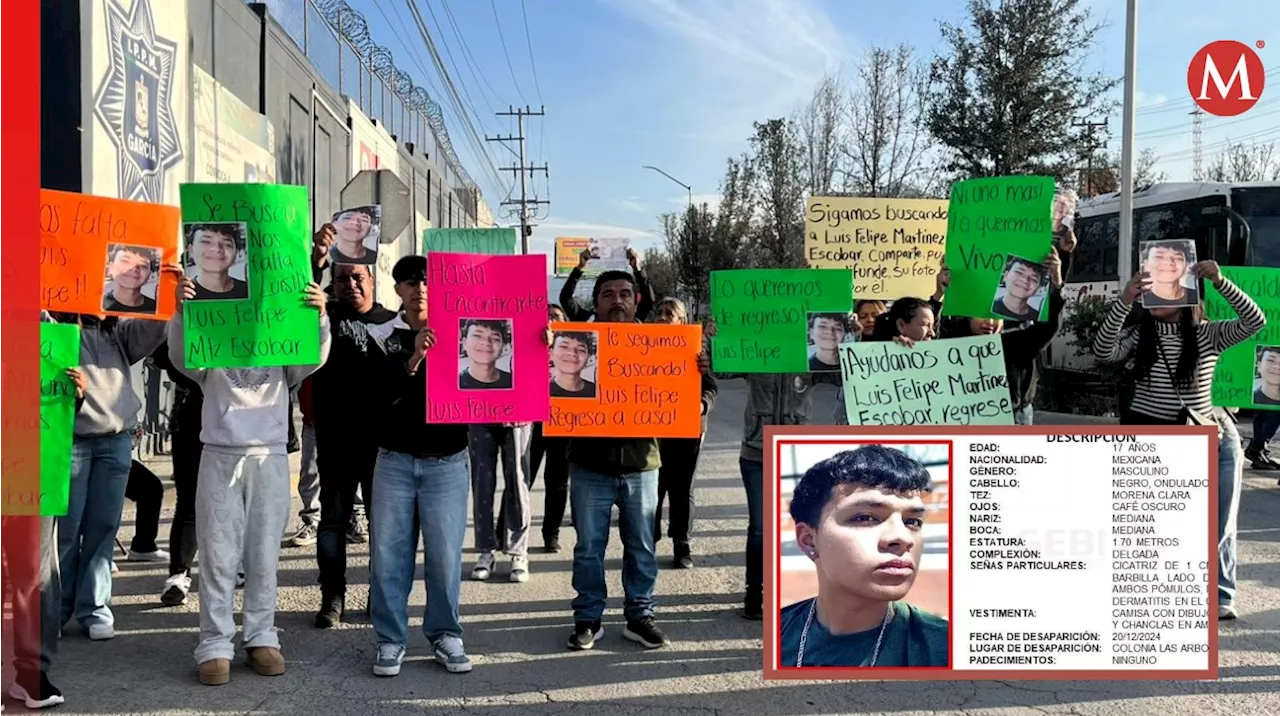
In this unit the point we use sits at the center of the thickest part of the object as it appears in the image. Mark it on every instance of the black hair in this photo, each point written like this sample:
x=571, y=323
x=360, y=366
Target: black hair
x=872, y=466
x=410, y=268
x=368, y=211
x=1147, y=354
x=146, y=252
x=229, y=228
x=857, y=306
x=586, y=338
x=1038, y=268
x=841, y=318
x=496, y=325
x=606, y=277
x=1179, y=245
x=903, y=309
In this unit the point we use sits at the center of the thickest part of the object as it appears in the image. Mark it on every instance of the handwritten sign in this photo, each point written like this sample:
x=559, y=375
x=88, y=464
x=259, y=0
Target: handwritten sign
x=272, y=327
x=989, y=219
x=59, y=350
x=958, y=381
x=625, y=380
x=496, y=242
x=90, y=246
x=489, y=314
x=762, y=316
x=1233, y=379
x=606, y=255
x=894, y=246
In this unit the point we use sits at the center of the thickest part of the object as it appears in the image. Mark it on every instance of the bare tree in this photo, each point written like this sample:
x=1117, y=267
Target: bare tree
x=688, y=235
x=777, y=240
x=660, y=268
x=888, y=146
x=820, y=127
x=1103, y=174
x=736, y=215
x=1245, y=162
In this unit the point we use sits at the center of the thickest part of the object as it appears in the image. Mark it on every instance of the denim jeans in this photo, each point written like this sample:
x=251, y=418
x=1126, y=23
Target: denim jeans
x=1265, y=425
x=1230, y=483
x=753, y=482
x=409, y=491
x=87, y=533
x=592, y=498
x=30, y=549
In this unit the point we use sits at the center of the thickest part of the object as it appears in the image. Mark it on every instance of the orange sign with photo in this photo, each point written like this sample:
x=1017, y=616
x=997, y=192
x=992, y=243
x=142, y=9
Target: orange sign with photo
x=102, y=256
x=625, y=380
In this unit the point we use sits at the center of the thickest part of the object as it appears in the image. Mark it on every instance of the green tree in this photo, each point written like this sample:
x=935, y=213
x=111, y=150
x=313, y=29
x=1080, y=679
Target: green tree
x=777, y=238
x=661, y=270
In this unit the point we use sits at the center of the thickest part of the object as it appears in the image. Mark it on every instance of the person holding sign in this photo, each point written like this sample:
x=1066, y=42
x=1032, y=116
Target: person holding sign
x=644, y=289
x=859, y=516
x=865, y=313
x=243, y=500
x=1170, y=356
x=130, y=269
x=213, y=250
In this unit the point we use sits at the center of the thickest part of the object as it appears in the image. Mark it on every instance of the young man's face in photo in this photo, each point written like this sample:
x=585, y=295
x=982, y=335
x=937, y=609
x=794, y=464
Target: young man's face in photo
x=1166, y=265
x=568, y=355
x=869, y=541
x=483, y=345
x=1269, y=368
x=214, y=252
x=130, y=270
x=353, y=226
x=827, y=333
x=1022, y=281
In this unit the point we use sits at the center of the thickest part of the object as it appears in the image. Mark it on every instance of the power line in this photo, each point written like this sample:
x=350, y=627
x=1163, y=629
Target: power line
x=533, y=66
x=510, y=67
x=522, y=170
x=472, y=65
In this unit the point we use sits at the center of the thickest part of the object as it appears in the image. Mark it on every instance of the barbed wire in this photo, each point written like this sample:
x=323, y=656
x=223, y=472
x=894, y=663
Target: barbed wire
x=353, y=28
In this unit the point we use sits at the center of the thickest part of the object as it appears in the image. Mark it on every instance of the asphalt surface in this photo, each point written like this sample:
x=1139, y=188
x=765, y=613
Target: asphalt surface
x=516, y=636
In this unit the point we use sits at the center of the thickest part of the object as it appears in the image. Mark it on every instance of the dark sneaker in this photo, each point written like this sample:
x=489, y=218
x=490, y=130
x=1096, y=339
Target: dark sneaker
x=551, y=545
x=175, y=591
x=44, y=696
x=584, y=635
x=304, y=537
x=331, y=610
x=1261, y=460
x=451, y=655
x=1226, y=612
x=753, y=605
x=683, y=558
x=645, y=632
x=390, y=657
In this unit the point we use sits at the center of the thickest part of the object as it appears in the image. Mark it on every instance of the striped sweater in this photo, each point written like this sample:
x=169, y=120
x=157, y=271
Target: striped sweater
x=1155, y=393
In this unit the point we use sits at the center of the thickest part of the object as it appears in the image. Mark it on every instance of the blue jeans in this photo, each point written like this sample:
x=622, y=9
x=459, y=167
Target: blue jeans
x=87, y=534
x=408, y=491
x=1265, y=425
x=592, y=497
x=1230, y=483
x=753, y=482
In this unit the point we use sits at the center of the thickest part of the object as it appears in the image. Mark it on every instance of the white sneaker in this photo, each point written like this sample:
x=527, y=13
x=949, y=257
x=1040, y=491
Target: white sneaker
x=519, y=568
x=390, y=657
x=101, y=632
x=1226, y=611
x=156, y=556
x=175, y=590
x=115, y=568
x=484, y=567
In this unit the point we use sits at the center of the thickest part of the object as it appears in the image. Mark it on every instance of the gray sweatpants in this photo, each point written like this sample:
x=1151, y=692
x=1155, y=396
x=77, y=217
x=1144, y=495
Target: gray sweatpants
x=488, y=443
x=242, y=506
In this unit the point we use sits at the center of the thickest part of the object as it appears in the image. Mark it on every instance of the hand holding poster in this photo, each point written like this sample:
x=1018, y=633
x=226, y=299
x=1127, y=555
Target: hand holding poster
x=988, y=219
x=625, y=380
x=260, y=320
x=494, y=242
x=957, y=381
x=1248, y=374
x=101, y=256
x=606, y=255
x=59, y=351
x=894, y=246
x=489, y=314
x=764, y=315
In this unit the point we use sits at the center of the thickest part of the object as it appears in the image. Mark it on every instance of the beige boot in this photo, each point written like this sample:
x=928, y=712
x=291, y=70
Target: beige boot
x=215, y=672
x=266, y=660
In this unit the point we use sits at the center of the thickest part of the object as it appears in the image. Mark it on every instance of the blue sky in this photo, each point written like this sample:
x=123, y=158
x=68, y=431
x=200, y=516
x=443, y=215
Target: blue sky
x=677, y=84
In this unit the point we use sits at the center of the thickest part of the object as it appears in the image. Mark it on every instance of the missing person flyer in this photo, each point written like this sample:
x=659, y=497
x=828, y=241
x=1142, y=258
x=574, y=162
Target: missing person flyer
x=991, y=552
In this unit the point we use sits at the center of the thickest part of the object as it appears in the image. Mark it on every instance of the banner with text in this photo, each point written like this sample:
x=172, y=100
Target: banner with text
x=606, y=255
x=59, y=350
x=957, y=381
x=102, y=256
x=1248, y=374
x=232, y=141
x=987, y=220
x=763, y=316
x=894, y=246
x=625, y=380
x=489, y=314
x=258, y=318
x=494, y=242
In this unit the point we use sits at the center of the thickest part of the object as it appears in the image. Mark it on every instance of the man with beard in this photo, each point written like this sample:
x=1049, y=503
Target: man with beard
x=1021, y=281
x=130, y=268
x=346, y=444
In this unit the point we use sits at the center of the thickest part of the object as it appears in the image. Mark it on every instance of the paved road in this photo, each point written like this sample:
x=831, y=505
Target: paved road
x=516, y=635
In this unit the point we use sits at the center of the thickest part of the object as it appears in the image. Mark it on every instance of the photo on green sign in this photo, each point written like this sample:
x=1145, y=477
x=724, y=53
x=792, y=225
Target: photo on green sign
x=1022, y=291
x=216, y=260
x=1266, y=390
x=1238, y=377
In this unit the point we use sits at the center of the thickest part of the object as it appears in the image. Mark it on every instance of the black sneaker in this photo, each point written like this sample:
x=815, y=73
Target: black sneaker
x=47, y=695
x=584, y=635
x=330, y=614
x=1261, y=460
x=753, y=605
x=355, y=531
x=683, y=559
x=645, y=632
x=550, y=545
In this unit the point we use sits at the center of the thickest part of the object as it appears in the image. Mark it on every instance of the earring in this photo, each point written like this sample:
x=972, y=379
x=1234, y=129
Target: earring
x=813, y=553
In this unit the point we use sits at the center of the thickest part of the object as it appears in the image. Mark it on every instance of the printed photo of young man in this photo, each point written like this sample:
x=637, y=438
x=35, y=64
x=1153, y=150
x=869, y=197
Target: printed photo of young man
x=1168, y=268
x=356, y=234
x=1266, y=389
x=571, y=353
x=131, y=279
x=1022, y=290
x=217, y=260
x=485, y=349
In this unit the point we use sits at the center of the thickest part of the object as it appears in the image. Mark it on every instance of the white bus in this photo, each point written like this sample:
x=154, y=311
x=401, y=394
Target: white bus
x=1233, y=224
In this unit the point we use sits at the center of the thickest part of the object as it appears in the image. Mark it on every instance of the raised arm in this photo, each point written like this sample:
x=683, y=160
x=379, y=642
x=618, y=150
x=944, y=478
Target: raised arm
x=139, y=338
x=1224, y=334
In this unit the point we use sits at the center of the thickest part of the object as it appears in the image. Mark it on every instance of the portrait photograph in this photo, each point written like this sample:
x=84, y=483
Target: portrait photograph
x=217, y=260
x=1167, y=265
x=826, y=332
x=841, y=529
x=484, y=354
x=573, y=364
x=132, y=278
x=1266, y=377
x=356, y=234
x=1023, y=287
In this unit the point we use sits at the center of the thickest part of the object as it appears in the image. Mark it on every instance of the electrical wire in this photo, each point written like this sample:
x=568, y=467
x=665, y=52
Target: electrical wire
x=503, y=40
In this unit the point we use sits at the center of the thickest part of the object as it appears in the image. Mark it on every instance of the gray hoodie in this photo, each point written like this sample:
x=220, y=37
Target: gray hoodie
x=106, y=357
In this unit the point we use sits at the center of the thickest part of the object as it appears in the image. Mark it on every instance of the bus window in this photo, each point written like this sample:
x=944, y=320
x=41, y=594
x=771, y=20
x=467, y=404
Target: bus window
x=1182, y=220
x=1260, y=206
x=1096, y=253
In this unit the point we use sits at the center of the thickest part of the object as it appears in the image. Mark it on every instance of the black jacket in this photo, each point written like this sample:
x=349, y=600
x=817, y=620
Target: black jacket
x=354, y=358
x=400, y=399
x=574, y=312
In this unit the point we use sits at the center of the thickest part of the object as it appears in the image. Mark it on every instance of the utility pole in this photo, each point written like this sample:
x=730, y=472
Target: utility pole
x=1086, y=186
x=1197, y=145
x=525, y=170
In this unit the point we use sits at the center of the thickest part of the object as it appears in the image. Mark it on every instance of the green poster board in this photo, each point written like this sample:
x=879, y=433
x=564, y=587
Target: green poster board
x=1235, y=379
x=59, y=350
x=762, y=316
x=271, y=326
x=987, y=221
x=957, y=381
x=497, y=242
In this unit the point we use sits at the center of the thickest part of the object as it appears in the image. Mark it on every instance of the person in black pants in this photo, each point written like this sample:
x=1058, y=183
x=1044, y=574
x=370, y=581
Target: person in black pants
x=185, y=424
x=147, y=492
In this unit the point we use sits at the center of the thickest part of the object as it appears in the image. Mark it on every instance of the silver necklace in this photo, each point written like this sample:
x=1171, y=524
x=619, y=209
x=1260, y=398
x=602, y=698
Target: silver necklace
x=813, y=609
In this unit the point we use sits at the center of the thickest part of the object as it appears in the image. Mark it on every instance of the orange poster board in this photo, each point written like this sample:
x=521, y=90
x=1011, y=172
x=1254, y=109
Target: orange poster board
x=625, y=380
x=102, y=256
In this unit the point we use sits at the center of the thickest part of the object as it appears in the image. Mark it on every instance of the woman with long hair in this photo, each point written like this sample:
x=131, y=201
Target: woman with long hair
x=1170, y=355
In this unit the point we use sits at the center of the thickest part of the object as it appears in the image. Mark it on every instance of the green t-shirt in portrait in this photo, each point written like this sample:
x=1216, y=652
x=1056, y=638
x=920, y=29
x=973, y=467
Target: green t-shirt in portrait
x=913, y=638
